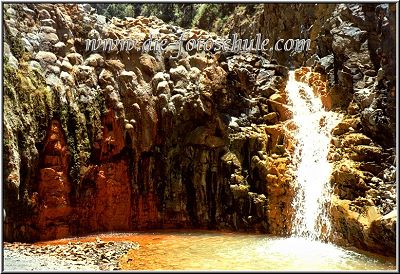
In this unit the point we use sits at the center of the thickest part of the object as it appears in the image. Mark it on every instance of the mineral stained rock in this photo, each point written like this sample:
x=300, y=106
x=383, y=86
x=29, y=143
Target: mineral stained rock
x=126, y=140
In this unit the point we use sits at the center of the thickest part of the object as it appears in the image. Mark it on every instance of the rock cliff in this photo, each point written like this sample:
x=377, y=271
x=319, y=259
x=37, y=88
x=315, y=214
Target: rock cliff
x=127, y=140
x=350, y=49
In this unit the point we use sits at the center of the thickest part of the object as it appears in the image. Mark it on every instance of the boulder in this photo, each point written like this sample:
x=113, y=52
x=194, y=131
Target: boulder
x=356, y=139
x=179, y=73
x=149, y=64
x=75, y=58
x=46, y=57
x=95, y=60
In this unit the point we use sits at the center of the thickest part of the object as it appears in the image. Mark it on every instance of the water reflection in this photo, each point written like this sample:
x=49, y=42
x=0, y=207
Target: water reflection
x=208, y=251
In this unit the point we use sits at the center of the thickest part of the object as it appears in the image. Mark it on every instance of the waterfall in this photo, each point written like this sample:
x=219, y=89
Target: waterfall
x=309, y=163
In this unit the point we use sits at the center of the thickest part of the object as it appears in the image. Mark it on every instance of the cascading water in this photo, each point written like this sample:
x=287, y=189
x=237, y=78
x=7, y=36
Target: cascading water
x=310, y=164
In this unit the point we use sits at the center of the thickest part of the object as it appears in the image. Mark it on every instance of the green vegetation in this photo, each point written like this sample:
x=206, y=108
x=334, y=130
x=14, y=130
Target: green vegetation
x=205, y=16
x=82, y=124
x=16, y=46
x=117, y=10
x=28, y=108
x=27, y=87
x=178, y=14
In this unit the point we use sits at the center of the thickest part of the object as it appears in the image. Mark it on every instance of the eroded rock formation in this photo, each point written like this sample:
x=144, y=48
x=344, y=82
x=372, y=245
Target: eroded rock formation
x=359, y=168
x=105, y=141
x=150, y=141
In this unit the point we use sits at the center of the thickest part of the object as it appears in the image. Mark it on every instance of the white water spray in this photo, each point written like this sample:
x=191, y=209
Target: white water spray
x=311, y=167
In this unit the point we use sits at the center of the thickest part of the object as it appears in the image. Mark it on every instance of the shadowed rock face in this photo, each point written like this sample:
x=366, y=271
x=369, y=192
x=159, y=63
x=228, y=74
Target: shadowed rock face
x=117, y=141
x=143, y=140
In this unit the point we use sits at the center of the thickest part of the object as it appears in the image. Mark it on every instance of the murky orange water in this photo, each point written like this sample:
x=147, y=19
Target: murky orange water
x=199, y=250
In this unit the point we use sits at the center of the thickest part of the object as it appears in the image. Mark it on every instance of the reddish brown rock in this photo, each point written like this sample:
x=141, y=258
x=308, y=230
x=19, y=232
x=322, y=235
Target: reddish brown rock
x=54, y=187
x=144, y=200
x=278, y=137
x=106, y=201
x=113, y=136
x=300, y=73
x=193, y=152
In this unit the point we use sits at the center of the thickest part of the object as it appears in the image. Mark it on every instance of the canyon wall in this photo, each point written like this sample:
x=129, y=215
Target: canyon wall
x=131, y=140
x=120, y=141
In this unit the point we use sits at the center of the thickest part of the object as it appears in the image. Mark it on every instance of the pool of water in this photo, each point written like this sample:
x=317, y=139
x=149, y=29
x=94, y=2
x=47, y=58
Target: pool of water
x=233, y=251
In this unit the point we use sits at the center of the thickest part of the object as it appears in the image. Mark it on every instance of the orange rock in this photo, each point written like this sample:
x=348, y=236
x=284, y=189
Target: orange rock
x=113, y=136
x=326, y=101
x=112, y=203
x=318, y=84
x=280, y=195
x=276, y=132
x=54, y=187
x=282, y=109
x=301, y=72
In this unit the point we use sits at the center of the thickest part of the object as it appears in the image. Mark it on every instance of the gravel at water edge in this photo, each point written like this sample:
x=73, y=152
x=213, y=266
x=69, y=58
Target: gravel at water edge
x=98, y=255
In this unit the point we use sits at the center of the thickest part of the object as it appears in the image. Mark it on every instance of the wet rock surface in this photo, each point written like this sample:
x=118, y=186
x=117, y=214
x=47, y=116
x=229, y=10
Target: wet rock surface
x=363, y=206
x=100, y=141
